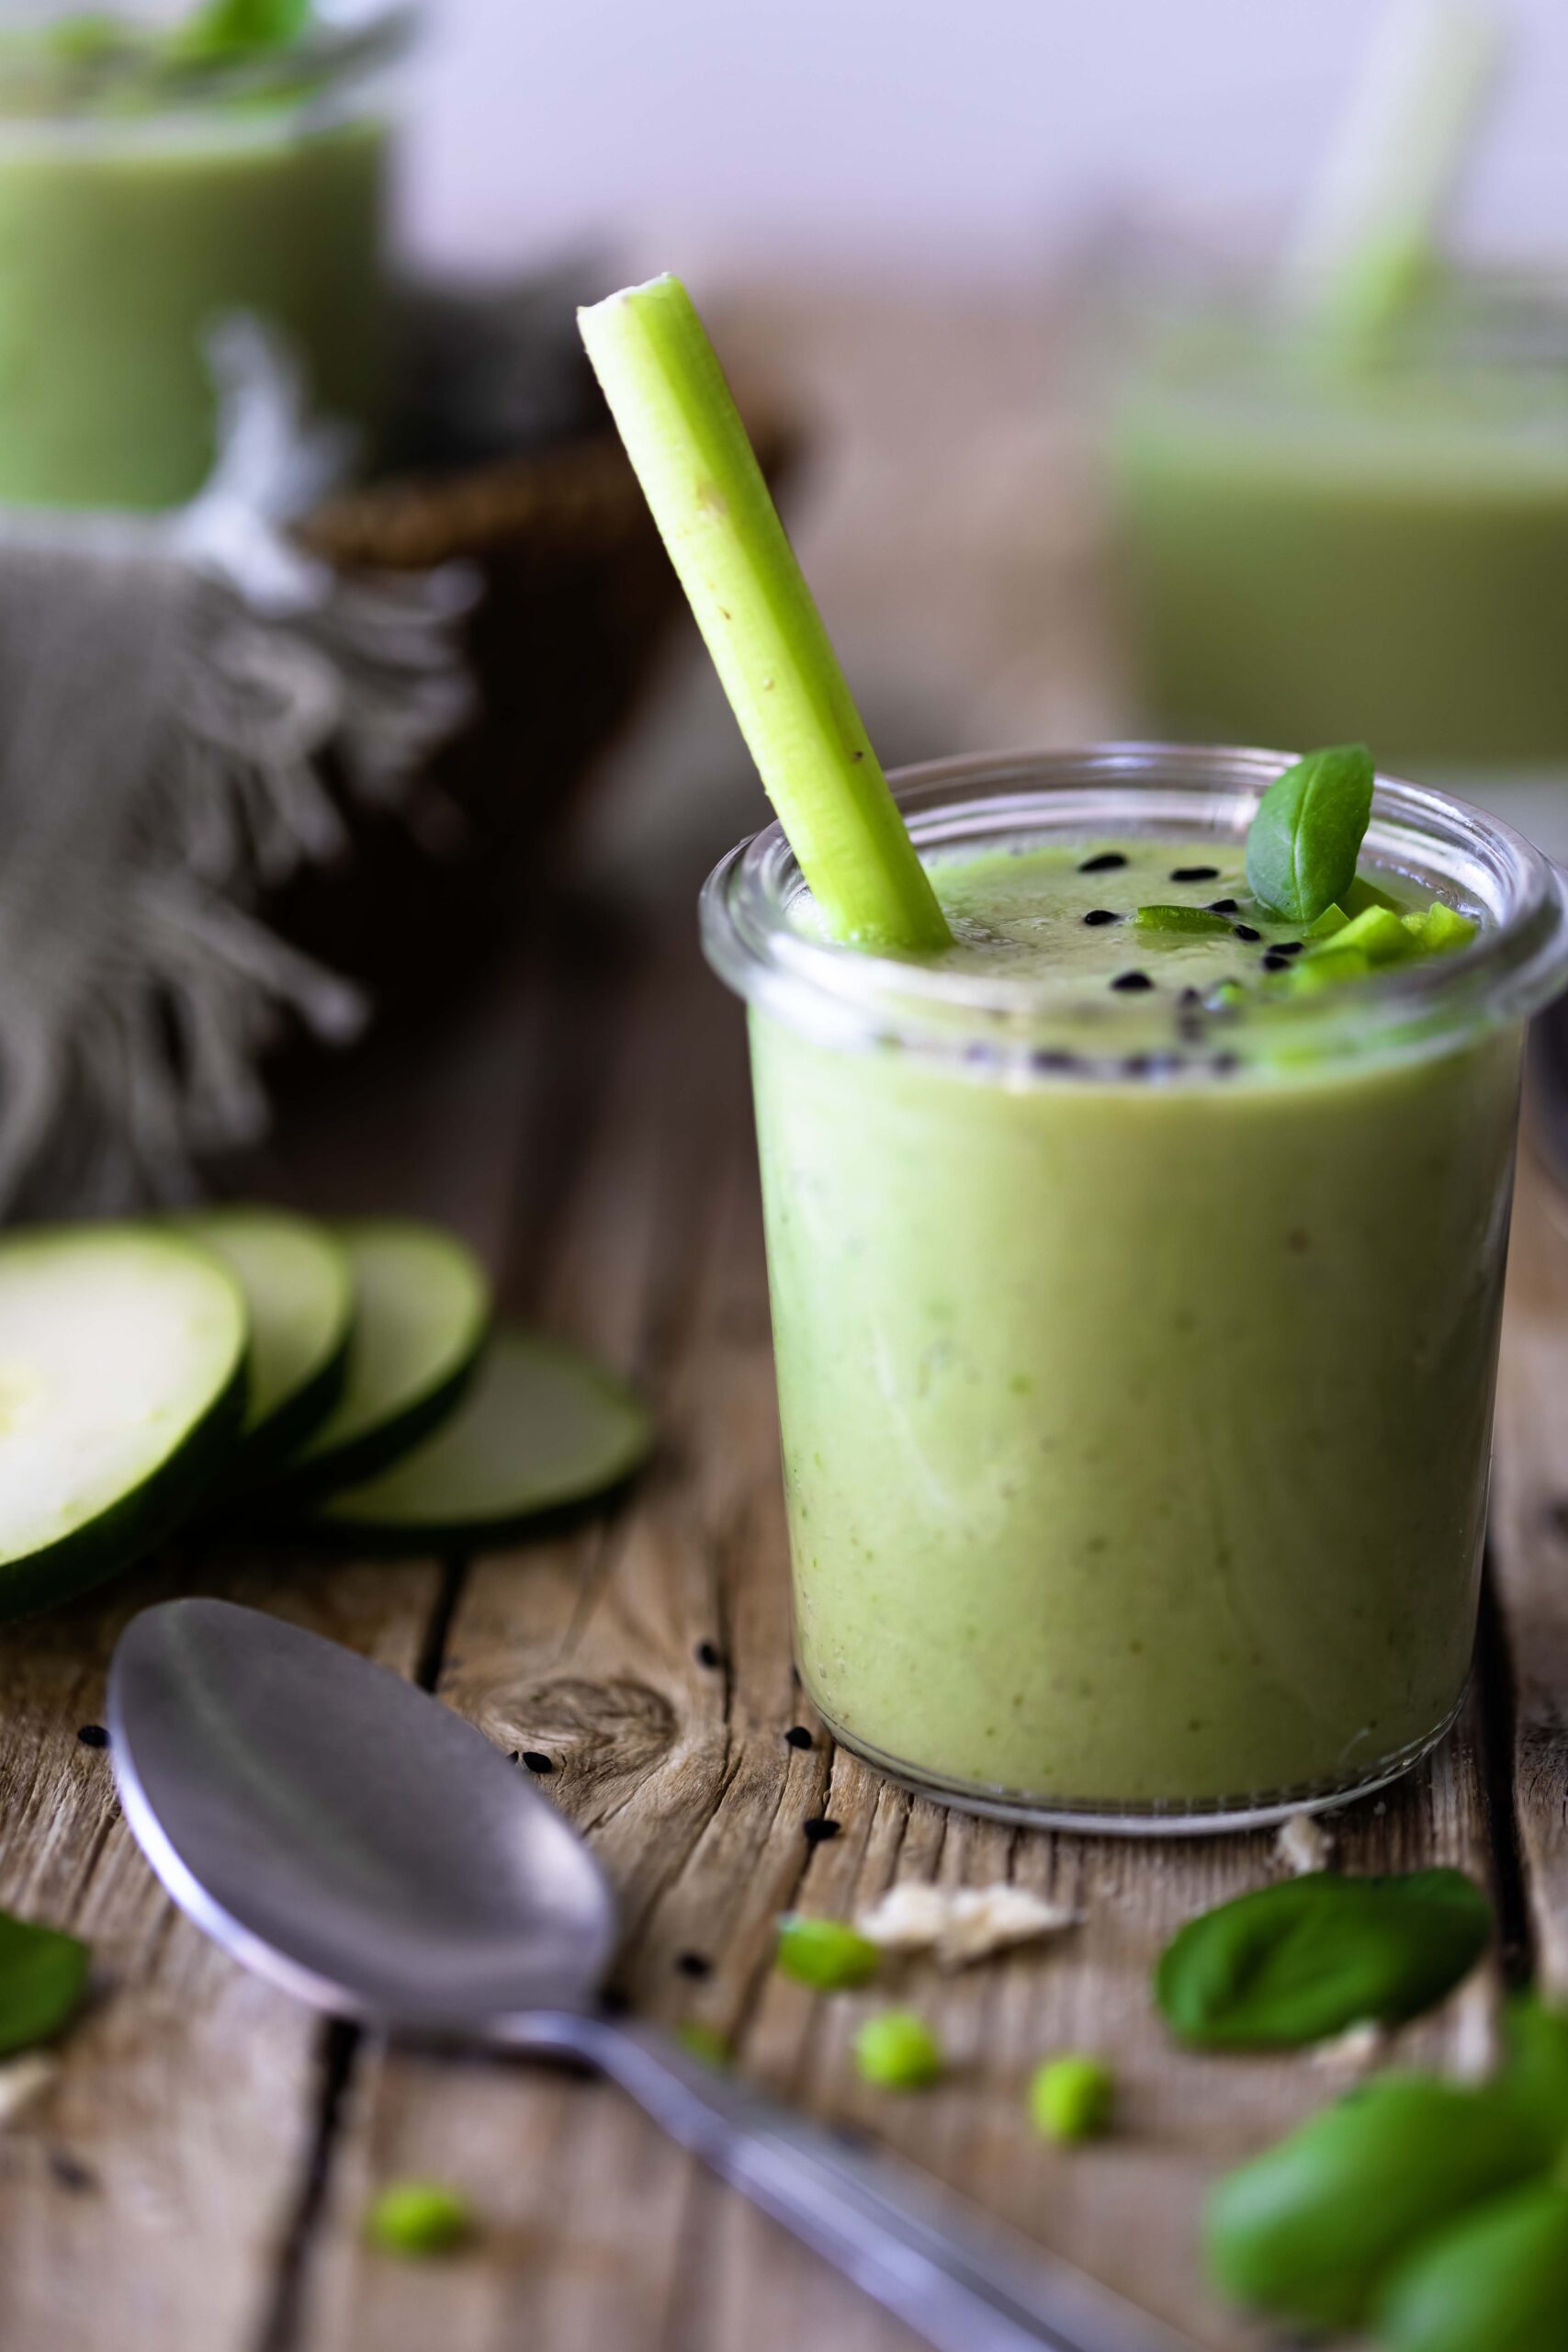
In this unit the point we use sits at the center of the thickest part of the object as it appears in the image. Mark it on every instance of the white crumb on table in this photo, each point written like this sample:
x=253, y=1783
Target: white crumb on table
x=22, y=2080
x=1304, y=1843
x=959, y=1924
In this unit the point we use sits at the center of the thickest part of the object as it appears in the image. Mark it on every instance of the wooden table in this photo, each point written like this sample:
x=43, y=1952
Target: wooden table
x=193, y=2176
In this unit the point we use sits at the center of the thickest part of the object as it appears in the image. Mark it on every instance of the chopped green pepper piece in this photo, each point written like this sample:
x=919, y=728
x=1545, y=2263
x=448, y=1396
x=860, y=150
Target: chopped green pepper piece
x=1377, y=932
x=1331, y=920
x=825, y=1952
x=1441, y=928
x=899, y=2052
x=1070, y=2099
x=1192, y=920
x=1326, y=968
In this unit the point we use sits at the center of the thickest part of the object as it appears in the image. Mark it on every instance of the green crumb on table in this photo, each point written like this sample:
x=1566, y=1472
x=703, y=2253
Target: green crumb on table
x=419, y=2217
x=1071, y=2098
x=707, y=2042
x=825, y=1953
x=899, y=2052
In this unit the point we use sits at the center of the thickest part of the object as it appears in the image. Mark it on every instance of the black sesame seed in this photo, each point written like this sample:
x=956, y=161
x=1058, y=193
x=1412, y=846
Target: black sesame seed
x=1130, y=981
x=536, y=1760
x=1287, y=947
x=708, y=1656
x=1245, y=931
x=693, y=1963
x=1150, y=1065
x=820, y=1829
x=1223, y=906
x=1195, y=874
x=798, y=1736
x=1097, y=915
x=1106, y=863
x=93, y=1735
x=1274, y=961
x=1051, y=1057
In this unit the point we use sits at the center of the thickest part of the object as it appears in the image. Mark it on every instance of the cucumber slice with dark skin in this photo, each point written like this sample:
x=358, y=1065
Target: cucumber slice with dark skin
x=122, y=1392
x=541, y=1428
x=421, y=1317
x=299, y=1288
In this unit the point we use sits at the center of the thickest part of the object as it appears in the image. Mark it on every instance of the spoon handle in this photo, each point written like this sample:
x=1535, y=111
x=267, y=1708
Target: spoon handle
x=961, y=2283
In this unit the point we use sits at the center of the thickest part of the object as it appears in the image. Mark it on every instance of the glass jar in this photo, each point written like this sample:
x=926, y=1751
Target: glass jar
x=1318, y=543
x=1137, y=1410
x=145, y=193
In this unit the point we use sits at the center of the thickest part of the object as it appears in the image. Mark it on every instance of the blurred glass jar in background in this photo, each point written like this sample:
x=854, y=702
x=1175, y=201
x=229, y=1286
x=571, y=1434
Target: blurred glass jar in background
x=1317, y=544
x=155, y=175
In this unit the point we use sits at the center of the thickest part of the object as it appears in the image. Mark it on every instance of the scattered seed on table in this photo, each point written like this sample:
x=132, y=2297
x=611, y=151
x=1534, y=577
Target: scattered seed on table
x=798, y=1736
x=93, y=1735
x=693, y=1963
x=708, y=1655
x=819, y=1829
x=536, y=1760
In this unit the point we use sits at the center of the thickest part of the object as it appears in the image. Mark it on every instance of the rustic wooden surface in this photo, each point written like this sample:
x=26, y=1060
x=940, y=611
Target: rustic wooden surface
x=192, y=2177
x=196, y=2173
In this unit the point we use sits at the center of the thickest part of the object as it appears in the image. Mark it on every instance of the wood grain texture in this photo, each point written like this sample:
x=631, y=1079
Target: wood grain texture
x=588, y=1648
x=1530, y=1556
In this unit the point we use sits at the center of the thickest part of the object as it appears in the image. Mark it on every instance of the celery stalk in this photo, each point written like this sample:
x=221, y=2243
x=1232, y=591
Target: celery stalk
x=700, y=476
x=1368, y=244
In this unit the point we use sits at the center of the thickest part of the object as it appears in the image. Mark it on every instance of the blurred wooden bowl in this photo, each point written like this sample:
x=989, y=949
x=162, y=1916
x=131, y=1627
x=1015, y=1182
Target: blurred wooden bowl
x=578, y=599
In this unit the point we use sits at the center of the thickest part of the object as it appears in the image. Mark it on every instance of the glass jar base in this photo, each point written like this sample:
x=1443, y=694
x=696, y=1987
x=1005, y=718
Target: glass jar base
x=1212, y=1816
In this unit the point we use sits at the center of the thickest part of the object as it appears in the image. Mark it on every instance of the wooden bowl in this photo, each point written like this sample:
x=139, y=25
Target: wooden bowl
x=578, y=599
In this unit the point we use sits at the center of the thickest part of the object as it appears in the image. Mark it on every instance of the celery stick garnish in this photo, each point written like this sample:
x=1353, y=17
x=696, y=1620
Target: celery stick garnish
x=1368, y=243
x=668, y=395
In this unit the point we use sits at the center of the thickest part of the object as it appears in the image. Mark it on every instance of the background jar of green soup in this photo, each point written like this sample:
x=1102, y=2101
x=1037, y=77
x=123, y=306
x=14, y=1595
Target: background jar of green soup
x=147, y=189
x=1317, y=542
x=1137, y=1404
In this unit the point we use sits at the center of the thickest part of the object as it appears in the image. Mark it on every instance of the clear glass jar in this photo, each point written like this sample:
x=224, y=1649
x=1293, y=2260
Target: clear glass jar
x=1318, y=543
x=1136, y=1426
x=143, y=194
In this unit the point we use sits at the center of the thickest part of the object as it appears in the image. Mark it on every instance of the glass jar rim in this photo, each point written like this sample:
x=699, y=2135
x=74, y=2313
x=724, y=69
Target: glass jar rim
x=346, y=44
x=851, y=997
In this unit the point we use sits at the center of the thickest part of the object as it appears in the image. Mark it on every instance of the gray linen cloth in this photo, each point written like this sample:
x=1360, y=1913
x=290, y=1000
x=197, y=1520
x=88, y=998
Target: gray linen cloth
x=168, y=684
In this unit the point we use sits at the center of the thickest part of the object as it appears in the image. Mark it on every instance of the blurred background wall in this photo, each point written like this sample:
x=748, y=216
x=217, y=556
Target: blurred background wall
x=952, y=135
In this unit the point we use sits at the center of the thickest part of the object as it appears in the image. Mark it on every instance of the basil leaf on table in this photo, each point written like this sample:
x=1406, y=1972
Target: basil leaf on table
x=1310, y=1957
x=1495, y=2280
x=43, y=1975
x=1311, y=2229
x=1303, y=841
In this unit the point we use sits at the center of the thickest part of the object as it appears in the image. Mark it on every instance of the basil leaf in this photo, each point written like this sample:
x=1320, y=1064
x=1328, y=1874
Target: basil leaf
x=1312, y=1956
x=1497, y=2278
x=225, y=28
x=1311, y=2229
x=43, y=1975
x=1302, y=845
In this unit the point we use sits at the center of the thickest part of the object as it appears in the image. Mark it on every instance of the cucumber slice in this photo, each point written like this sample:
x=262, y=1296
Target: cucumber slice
x=300, y=1290
x=420, y=1314
x=541, y=1427
x=122, y=1391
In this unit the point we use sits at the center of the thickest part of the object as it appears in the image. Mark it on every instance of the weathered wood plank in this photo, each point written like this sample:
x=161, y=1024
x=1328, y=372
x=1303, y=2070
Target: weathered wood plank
x=587, y=1648
x=1530, y=1554
x=165, y=2165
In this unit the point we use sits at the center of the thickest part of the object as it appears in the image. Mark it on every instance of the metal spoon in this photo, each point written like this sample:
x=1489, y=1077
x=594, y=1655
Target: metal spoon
x=342, y=1832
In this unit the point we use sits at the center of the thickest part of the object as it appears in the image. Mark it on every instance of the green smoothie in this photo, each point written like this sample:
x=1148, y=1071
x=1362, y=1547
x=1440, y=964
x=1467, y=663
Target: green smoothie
x=1317, y=544
x=126, y=232
x=1135, y=1352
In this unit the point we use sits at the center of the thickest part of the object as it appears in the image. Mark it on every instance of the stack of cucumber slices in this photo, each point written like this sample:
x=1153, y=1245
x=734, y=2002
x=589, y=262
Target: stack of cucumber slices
x=245, y=1365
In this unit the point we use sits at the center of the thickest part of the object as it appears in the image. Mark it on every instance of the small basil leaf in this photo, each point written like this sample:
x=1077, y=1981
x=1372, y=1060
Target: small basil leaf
x=224, y=29
x=1302, y=845
x=1311, y=1956
x=1535, y=2063
x=43, y=1975
x=1311, y=2229
x=1496, y=2278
